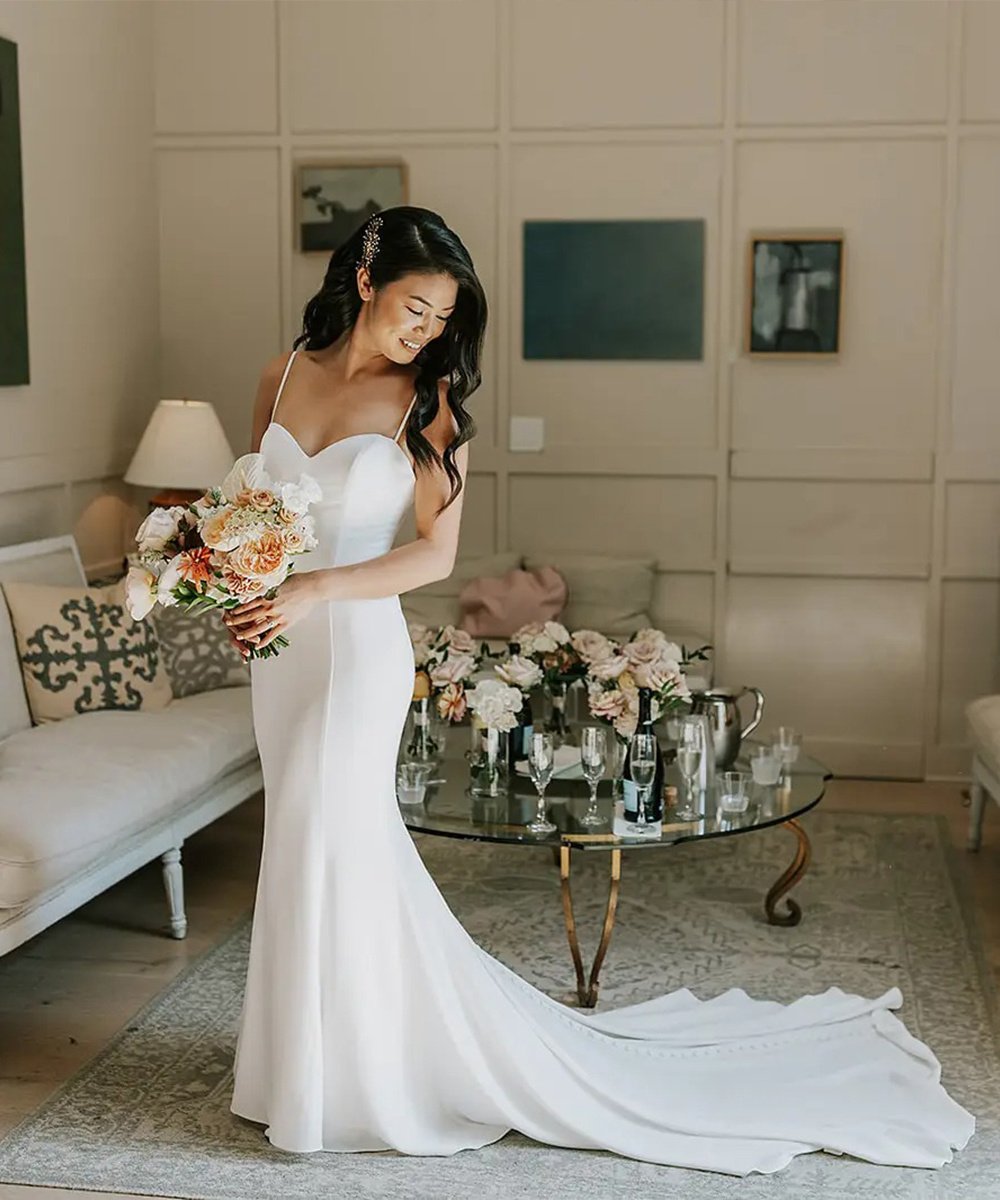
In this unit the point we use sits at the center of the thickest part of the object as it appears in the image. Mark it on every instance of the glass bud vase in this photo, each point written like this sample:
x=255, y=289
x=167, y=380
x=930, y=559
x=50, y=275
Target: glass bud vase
x=488, y=761
x=556, y=721
x=421, y=742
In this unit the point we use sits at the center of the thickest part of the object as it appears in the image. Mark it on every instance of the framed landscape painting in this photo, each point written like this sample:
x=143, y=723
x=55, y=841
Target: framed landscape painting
x=13, y=285
x=332, y=198
x=795, y=288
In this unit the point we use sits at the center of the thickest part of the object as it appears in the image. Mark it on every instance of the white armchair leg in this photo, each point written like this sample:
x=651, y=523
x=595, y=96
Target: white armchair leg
x=977, y=796
x=173, y=881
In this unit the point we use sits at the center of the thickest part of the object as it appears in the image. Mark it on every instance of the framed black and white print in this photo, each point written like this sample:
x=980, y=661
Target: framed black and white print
x=795, y=287
x=332, y=198
x=14, y=365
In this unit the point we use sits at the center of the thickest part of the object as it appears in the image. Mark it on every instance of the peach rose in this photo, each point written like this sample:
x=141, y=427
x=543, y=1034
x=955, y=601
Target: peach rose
x=262, y=499
x=607, y=705
x=287, y=516
x=261, y=556
x=294, y=540
x=241, y=585
x=217, y=533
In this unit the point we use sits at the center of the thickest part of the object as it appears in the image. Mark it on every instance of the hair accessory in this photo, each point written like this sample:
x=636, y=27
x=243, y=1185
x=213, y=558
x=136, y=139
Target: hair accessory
x=369, y=243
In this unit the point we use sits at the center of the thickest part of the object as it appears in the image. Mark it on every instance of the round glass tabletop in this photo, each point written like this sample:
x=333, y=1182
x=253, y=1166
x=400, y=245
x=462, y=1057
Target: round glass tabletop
x=450, y=809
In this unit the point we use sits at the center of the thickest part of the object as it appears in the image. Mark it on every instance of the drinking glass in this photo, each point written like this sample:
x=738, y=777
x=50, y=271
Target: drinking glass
x=733, y=797
x=787, y=742
x=541, y=761
x=593, y=759
x=765, y=765
x=690, y=751
x=411, y=781
x=642, y=765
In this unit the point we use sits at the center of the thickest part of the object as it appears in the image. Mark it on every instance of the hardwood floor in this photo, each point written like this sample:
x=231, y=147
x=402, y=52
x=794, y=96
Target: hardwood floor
x=64, y=994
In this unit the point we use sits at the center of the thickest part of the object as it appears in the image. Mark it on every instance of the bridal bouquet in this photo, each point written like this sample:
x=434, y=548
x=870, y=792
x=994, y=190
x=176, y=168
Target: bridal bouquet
x=234, y=543
x=446, y=659
x=616, y=671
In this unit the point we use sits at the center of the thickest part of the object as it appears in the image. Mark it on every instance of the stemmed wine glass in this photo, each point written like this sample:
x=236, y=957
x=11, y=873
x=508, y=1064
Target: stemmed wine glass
x=642, y=767
x=787, y=742
x=690, y=749
x=541, y=762
x=593, y=759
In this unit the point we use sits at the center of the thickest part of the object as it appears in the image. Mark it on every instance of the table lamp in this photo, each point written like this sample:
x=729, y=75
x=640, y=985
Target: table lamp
x=183, y=451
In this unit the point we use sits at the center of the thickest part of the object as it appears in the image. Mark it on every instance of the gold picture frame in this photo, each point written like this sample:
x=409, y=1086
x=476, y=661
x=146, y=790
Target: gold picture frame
x=331, y=197
x=793, y=294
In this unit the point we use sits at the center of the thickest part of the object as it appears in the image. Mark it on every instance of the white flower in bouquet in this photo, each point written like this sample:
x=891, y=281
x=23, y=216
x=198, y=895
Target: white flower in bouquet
x=458, y=640
x=650, y=646
x=519, y=672
x=141, y=590
x=159, y=528
x=495, y=703
x=607, y=705
x=609, y=668
x=422, y=639
x=296, y=497
x=454, y=668
x=591, y=645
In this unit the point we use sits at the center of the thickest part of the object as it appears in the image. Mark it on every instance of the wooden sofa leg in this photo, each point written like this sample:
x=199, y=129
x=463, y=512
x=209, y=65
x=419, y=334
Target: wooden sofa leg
x=977, y=796
x=173, y=881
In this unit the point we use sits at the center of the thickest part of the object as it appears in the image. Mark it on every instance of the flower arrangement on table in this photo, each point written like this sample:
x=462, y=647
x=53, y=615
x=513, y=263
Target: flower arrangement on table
x=495, y=706
x=549, y=646
x=617, y=670
x=234, y=543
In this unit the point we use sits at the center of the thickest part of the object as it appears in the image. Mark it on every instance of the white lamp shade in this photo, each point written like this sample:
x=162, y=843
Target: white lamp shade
x=184, y=446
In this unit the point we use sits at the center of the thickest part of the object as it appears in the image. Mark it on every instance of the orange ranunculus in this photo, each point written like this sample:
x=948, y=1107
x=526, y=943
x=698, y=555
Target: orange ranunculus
x=452, y=703
x=261, y=556
x=195, y=565
x=421, y=686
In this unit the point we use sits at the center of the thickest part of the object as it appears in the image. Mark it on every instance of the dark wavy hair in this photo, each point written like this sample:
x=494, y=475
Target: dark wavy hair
x=412, y=241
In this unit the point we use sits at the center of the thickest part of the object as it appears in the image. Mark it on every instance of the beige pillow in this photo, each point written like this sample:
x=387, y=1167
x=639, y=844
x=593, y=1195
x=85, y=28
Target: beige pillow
x=81, y=651
x=610, y=594
x=437, y=604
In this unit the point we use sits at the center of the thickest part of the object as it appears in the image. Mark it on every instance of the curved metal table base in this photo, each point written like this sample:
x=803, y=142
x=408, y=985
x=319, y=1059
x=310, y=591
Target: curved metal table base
x=788, y=880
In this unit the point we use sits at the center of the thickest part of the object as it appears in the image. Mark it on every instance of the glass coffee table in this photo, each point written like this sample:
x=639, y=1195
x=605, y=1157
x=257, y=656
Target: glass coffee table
x=450, y=810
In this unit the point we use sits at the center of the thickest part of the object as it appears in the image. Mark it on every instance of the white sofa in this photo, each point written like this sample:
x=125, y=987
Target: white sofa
x=87, y=800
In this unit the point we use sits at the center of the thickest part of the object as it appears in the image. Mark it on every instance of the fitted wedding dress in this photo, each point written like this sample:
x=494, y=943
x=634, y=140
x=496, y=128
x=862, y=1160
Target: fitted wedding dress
x=372, y=1020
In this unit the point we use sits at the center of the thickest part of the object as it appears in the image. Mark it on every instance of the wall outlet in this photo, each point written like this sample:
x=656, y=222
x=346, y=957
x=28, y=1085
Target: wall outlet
x=527, y=433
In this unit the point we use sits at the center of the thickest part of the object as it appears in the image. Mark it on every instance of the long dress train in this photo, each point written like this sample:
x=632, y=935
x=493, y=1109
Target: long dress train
x=372, y=1020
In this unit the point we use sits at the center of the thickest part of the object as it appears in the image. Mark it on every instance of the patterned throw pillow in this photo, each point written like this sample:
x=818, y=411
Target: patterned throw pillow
x=81, y=651
x=197, y=652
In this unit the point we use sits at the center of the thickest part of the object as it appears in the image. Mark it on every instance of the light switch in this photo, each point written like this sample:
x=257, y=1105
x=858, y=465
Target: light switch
x=527, y=433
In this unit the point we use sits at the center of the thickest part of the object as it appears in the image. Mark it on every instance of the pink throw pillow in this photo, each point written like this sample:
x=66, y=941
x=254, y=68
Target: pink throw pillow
x=497, y=606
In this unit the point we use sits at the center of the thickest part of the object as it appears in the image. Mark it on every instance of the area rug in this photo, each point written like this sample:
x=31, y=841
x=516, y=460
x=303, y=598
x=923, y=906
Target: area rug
x=882, y=905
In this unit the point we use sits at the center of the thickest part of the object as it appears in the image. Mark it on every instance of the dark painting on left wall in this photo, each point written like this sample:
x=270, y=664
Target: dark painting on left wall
x=13, y=287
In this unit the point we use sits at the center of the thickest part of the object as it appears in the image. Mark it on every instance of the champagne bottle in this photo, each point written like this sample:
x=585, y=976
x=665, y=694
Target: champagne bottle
x=654, y=799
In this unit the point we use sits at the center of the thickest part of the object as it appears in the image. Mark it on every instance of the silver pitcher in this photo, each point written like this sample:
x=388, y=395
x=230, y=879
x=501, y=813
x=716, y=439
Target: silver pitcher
x=721, y=706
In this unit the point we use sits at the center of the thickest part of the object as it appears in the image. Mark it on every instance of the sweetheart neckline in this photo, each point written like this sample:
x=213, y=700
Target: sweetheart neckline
x=337, y=442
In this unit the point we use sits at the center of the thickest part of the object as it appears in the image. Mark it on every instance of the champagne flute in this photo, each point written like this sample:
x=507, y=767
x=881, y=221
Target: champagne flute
x=541, y=762
x=690, y=750
x=593, y=759
x=642, y=768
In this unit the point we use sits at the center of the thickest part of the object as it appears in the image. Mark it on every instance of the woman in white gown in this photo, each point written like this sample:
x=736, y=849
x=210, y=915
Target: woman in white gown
x=371, y=1019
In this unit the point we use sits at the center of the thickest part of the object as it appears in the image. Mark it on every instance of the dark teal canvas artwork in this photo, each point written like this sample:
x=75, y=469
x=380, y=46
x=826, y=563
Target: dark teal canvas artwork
x=13, y=290
x=614, y=289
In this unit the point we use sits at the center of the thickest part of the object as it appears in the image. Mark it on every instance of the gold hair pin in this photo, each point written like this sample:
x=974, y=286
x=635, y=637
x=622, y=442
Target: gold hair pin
x=369, y=243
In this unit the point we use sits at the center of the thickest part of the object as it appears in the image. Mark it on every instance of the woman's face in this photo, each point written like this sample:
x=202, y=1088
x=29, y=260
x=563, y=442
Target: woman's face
x=409, y=312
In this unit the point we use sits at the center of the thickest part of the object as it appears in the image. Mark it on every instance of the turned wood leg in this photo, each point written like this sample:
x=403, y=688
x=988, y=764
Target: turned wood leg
x=977, y=798
x=788, y=879
x=173, y=881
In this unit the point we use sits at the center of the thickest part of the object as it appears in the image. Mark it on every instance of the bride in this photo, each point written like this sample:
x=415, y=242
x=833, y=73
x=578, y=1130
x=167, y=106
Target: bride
x=371, y=1020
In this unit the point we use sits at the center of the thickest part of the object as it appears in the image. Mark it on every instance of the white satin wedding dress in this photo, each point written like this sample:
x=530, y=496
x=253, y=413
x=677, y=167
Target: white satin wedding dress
x=372, y=1020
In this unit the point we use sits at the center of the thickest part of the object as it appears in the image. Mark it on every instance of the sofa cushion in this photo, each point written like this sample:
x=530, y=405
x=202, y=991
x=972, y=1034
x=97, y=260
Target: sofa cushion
x=983, y=716
x=80, y=651
x=71, y=790
x=610, y=594
x=197, y=653
x=495, y=606
x=436, y=603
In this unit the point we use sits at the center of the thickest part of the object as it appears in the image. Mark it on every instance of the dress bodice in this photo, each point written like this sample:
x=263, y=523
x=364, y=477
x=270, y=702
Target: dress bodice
x=367, y=485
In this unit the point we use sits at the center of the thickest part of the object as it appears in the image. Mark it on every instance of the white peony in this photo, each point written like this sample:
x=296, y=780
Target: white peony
x=297, y=497
x=520, y=673
x=159, y=527
x=453, y=669
x=558, y=633
x=495, y=703
x=140, y=591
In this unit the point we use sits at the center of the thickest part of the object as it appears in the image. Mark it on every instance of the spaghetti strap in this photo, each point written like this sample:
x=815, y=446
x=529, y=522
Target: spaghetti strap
x=281, y=385
x=406, y=417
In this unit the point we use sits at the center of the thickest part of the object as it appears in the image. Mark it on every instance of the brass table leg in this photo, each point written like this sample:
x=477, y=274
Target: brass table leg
x=586, y=989
x=803, y=853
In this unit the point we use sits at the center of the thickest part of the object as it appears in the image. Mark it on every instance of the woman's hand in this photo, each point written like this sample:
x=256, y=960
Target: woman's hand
x=258, y=622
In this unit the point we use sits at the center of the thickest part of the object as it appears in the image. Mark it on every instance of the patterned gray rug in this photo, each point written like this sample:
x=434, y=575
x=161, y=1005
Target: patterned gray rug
x=883, y=907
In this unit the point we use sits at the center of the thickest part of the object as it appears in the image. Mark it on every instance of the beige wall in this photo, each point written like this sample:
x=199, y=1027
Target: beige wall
x=92, y=260
x=832, y=526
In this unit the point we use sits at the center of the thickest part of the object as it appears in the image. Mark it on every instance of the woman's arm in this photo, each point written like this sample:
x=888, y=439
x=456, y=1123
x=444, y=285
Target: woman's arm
x=429, y=557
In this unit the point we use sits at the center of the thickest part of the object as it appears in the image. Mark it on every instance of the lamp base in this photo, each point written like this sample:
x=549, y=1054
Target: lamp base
x=170, y=496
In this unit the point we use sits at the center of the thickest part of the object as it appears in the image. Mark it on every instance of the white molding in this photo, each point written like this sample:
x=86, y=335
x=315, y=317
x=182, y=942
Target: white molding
x=895, y=466
x=57, y=468
x=848, y=758
x=837, y=568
